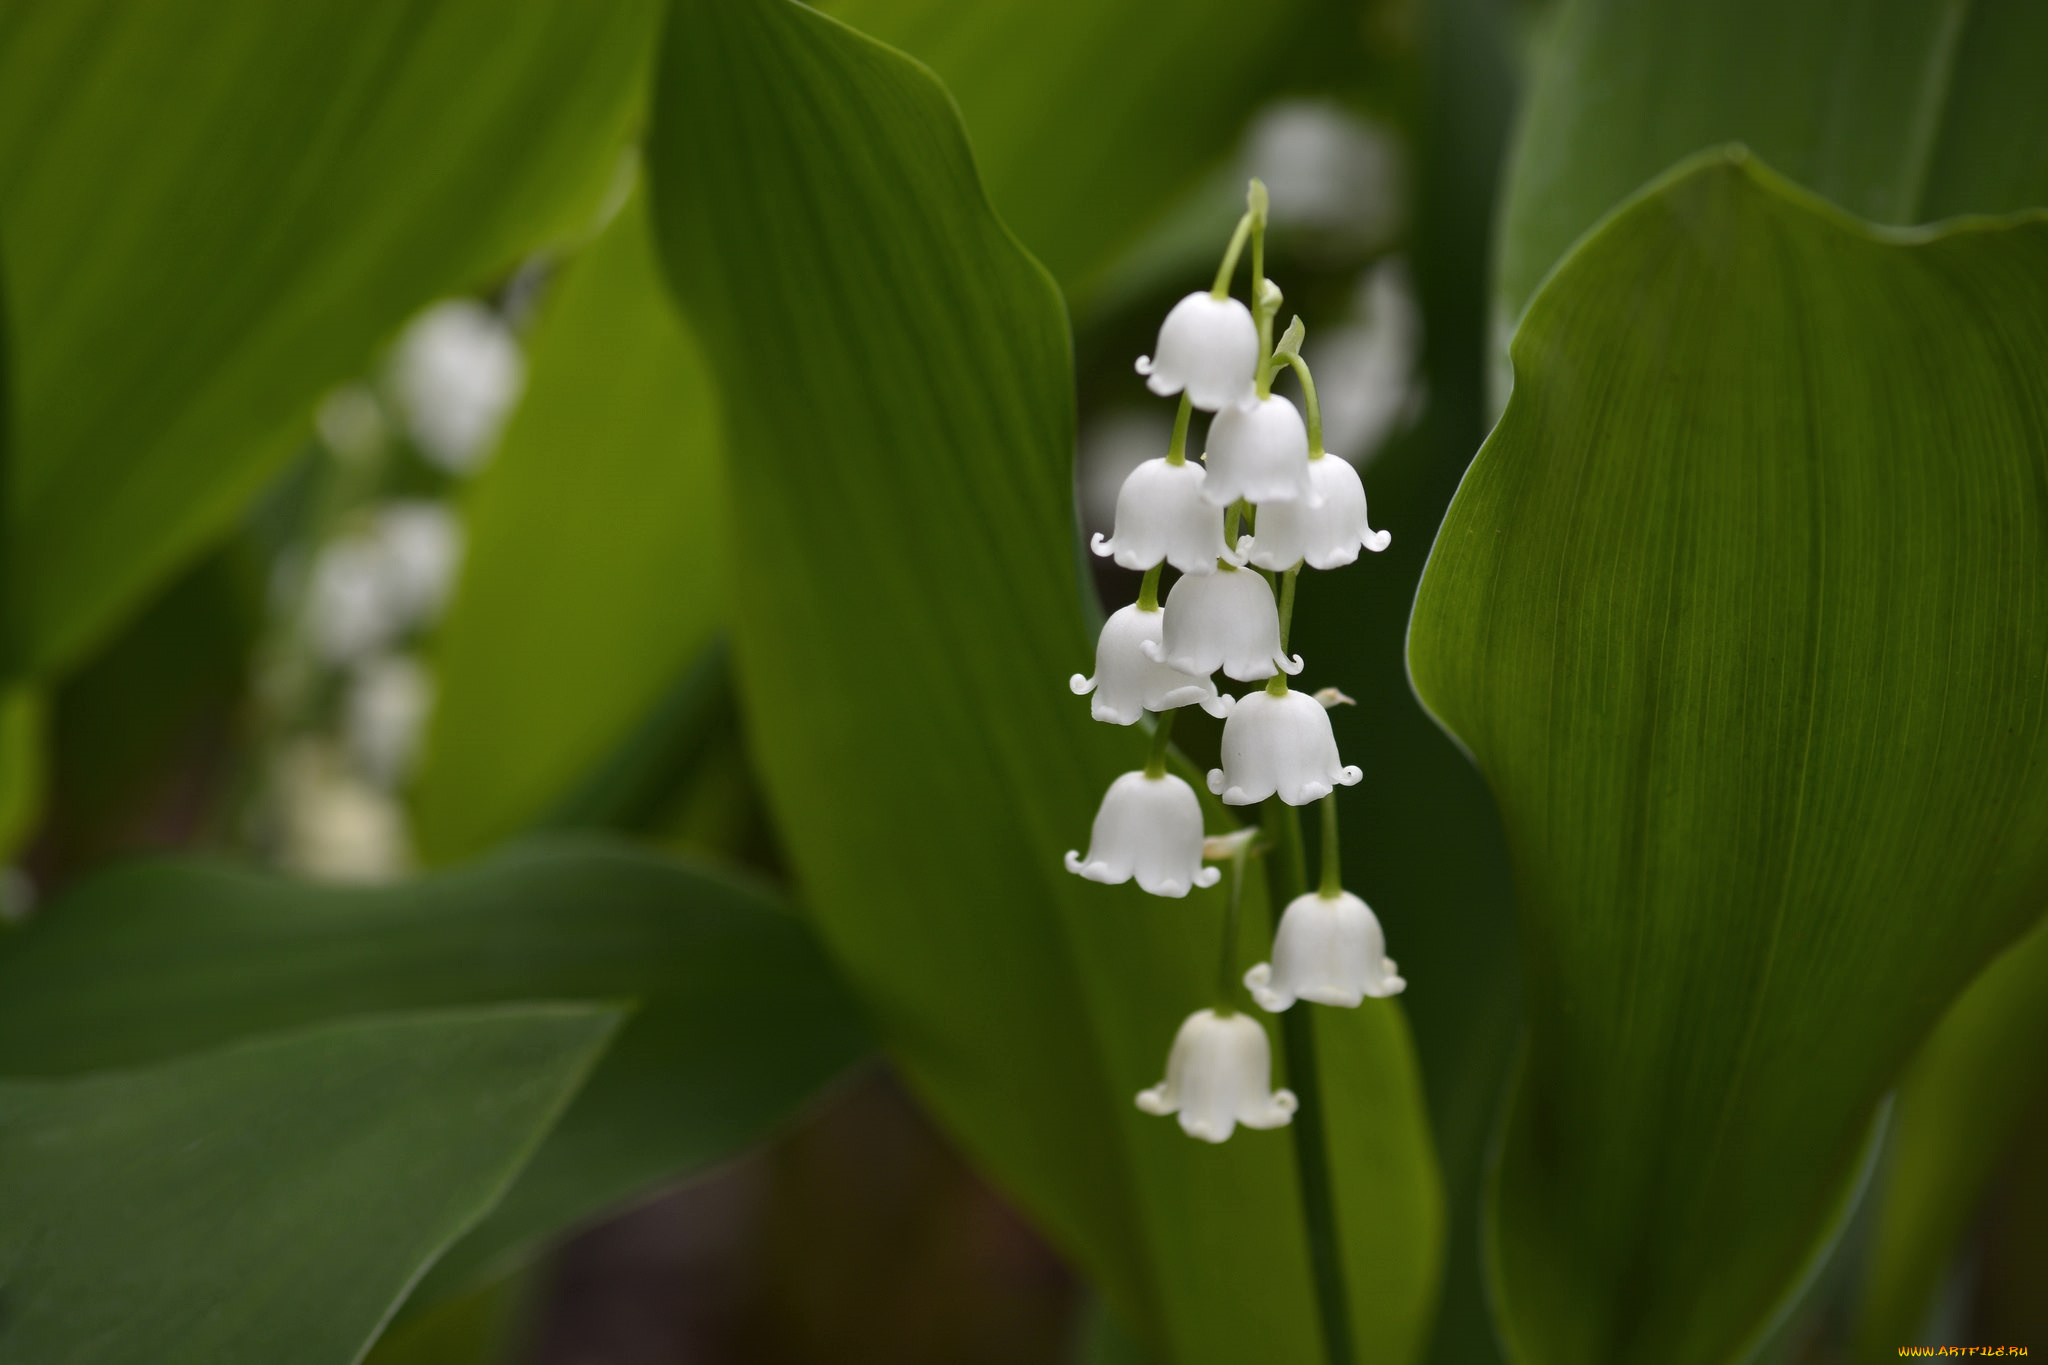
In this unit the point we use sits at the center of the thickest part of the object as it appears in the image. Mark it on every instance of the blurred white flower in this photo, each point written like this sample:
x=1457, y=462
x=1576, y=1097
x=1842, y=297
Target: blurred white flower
x=1128, y=683
x=370, y=587
x=1149, y=828
x=457, y=372
x=389, y=698
x=350, y=421
x=1329, y=949
x=1325, y=535
x=1217, y=1077
x=1258, y=453
x=1208, y=346
x=1225, y=620
x=1366, y=370
x=1162, y=513
x=17, y=895
x=1279, y=744
x=336, y=826
x=1327, y=170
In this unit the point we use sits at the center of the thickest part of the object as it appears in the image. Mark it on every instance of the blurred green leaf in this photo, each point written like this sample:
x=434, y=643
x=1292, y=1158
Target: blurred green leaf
x=594, y=573
x=22, y=765
x=1960, y=1109
x=211, y=211
x=1897, y=110
x=737, y=1017
x=1089, y=118
x=1740, y=611
x=901, y=633
x=273, y=1200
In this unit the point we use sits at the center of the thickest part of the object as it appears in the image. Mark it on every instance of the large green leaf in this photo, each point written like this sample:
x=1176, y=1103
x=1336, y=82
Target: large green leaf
x=901, y=630
x=212, y=209
x=736, y=1020
x=594, y=567
x=1959, y=1111
x=1741, y=611
x=272, y=1200
x=1080, y=111
x=1900, y=110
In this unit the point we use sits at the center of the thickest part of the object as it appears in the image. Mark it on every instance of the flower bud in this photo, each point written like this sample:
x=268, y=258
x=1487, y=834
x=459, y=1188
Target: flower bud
x=1208, y=346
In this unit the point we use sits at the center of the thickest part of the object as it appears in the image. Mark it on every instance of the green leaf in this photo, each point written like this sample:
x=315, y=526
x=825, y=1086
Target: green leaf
x=1080, y=111
x=210, y=210
x=902, y=633
x=1959, y=1111
x=737, y=1018
x=593, y=573
x=274, y=1199
x=1897, y=110
x=1740, y=611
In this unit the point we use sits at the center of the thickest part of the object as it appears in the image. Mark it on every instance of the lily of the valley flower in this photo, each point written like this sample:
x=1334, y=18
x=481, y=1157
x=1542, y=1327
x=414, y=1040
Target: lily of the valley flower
x=1128, y=682
x=1217, y=1077
x=1226, y=620
x=1208, y=346
x=1330, y=949
x=1325, y=536
x=1149, y=828
x=1260, y=454
x=1161, y=514
x=1279, y=744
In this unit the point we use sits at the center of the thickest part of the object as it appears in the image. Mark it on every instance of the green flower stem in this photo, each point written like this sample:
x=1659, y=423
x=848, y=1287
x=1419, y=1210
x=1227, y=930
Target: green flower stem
x=1177, y=452
x=1287, y=604
x=1260, y=312
x=1333, y=876
x=1286, y=878
x=1226, y=976
x=1221, y=289
x=1308, y=394
x=1148, y=592
x=1162, y=735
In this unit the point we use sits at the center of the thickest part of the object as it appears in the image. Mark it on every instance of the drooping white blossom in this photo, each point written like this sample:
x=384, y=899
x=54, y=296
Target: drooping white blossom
x=1326, y=536
x=1217, y=1076
x=1329, y=949
x=1227, y=620
x=1279, y=744
x=388, y=701
x=1258, y=453
x=371, y=586
x=1208, y=346
x=1128, y=683
x=1148, y=828
x=457, y=373
x=1162, y=515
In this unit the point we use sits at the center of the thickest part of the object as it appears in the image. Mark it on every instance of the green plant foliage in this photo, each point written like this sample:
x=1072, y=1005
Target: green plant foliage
x=1900, y=111
x=902, y=632
x=22, y=764
x=1959, y=1111
x=736, y=1017
x=1740, y=611
x=212, y=209
x=593, y=573
x=272, y=1200
x=1084, y=114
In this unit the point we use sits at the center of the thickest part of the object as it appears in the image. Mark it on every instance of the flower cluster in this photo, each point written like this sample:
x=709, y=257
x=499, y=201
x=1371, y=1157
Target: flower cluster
x=1229, y=612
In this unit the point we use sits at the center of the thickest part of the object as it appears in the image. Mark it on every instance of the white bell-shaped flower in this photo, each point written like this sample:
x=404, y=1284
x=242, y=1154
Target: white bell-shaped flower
x=1217, y=1077
x=1149, y=828
x=1208, y=346
x=1128, y=683
x=1278, y=744
x=1161, y=514
x=1260, y=454
x=1327, y=536
x=1227, y=620
x=1330, y=949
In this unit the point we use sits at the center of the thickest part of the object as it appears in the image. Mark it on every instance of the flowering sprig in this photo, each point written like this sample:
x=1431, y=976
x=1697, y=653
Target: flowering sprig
x=1230, y=611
